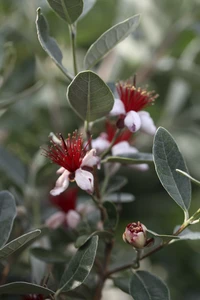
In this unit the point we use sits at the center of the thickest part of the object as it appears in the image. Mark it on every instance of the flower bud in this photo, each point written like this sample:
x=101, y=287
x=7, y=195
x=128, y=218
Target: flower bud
x=135, y=235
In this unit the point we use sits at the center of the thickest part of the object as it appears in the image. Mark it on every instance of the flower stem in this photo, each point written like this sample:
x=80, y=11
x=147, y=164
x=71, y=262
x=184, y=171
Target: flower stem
x=111, y=144
x=72, y=30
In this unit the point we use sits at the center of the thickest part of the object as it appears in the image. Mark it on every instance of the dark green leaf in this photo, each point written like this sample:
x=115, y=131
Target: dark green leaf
x=49, y=44
x=89, y=96
x=167, y=159
x=79, y=266
x=84, y=238
x=24, y=288
x=122, y=283
x=48, y=256
x=112, y=216
x=145, y=286
x=7, y=215
x=68, y=10
x=13, y=167
x=136, y=158
x=14, y=245
x=109, y=39
x=87, y=6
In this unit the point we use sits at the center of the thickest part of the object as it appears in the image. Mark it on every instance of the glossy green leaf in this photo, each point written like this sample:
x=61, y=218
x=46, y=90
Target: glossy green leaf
x=109, y=39
x=79, y=267
x=84, y=238
x=24, y=288
x=68, y=10
x=136, y=158
x=89, y=96
x=49, y=44
x=167, y=159
x=112, y=216
x=7, y=215
x=87, y=6
x=145, y=286
x=187, y=175
x=13, y=167
x=15, y=244
x=48, y=256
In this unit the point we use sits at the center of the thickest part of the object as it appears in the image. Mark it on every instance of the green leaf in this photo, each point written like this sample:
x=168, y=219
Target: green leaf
x=112, y=216
x=7, y=215
x=24, y=288
x=145, y=286
x=164, y=237
x=120, y=197
x=81, y=240
x=68, y=10
x=167, y=159
x=122, y=283
x=89, y=96
x=109, y=39
x=87, y=6
x=79, y=266
x=48, y=256
x=14, y=245
x=187, y=234
x=187, y=175
x=136, y=158
x=49, y=44
x=13, y=167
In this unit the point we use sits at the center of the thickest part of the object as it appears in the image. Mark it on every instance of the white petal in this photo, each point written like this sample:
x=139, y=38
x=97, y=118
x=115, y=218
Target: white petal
x=118, y=108
x=55, y=139
x=123, y=148
x=60, y=170
x=140, y=167
x=100, y=144
x=84, y=180
x=132, y=121
x=56, y=220
x=85, y=208
x=72, y=218
x=90, y=159
x=147, y=124
x=61, y=184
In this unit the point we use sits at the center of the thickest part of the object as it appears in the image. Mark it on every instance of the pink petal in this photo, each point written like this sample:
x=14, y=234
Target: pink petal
x=72, y=218
x=132, y=121
x=100, y=144
x=123, y=148
x=84, y=180
x=61, y=184
x=90, y=159
x=147, y=123
x=54, y=138
x=56, y=220
x=118, y=108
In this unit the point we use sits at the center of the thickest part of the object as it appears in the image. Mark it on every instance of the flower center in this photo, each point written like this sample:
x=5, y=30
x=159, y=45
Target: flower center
x=134, y=98
x=68, y=153
x=111, y=130
x=135, y=227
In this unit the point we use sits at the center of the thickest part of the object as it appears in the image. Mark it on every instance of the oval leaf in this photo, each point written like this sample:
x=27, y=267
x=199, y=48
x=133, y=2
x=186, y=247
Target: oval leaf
x=68, y=10
x=49, y=44
x=112, y=216
x=13, y=167
x=7, y=215
x=48, y=256
x=18, y=243
x=79, y=266
x=89, y=96
x=145, y=286
x=109, y=39
x=187, y=175
x=167, y=159
x=188, y=234
x=24, y=288
x=81, y=240
x=87, y=6
x=136, y=158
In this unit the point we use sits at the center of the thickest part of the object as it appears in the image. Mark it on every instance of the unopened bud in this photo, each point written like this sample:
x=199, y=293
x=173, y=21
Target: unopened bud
x=135, y=235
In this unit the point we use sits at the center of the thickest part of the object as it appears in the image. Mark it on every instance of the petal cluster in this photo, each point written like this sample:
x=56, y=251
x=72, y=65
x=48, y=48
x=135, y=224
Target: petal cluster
x=135, y=235
x=75, y=161
x=129, y=108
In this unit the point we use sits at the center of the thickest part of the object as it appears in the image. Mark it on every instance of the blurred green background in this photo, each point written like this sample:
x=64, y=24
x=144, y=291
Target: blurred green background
x=164, y=52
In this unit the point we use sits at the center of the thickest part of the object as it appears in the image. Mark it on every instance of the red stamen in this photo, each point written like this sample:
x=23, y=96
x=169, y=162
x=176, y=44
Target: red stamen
x=134, y=98
x=111, y=130
x=69, y=153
